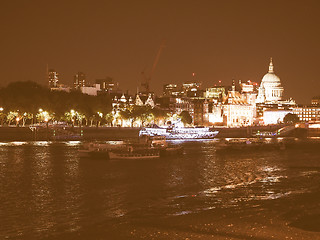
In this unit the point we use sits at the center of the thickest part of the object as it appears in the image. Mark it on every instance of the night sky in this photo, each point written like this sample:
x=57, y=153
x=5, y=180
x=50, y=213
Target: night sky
x=218, y=40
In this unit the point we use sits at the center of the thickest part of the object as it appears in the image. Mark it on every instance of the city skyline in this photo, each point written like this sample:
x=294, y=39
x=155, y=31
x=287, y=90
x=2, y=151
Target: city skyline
x=217, y=41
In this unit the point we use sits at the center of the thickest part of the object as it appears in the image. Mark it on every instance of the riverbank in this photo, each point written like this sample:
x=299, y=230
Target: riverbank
x=121, y=133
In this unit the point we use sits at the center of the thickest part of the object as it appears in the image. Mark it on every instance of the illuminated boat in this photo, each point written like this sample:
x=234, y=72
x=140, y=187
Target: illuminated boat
x=179, y=132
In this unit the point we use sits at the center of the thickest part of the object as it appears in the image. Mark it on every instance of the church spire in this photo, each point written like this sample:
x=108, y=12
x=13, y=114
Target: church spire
x=271, y=66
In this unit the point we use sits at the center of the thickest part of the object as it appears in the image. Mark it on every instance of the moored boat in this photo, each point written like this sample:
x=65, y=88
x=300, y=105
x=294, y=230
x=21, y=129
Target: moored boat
x=99, y=150
x=245, y=145
x=128, y=155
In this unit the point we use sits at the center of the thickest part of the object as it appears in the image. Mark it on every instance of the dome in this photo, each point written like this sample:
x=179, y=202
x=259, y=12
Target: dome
x=270, y=89
x=270, y=78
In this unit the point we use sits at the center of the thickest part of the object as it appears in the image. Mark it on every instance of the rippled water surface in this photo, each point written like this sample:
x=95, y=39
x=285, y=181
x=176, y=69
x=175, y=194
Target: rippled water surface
x=47, y=191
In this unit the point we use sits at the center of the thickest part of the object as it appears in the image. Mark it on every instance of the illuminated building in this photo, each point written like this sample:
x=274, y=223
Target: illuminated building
x=308, y=113
x=191, y=90
x=315, y=101
x=170, y=90
x=236, y=115
x=215, y=114
x=138, y=101
x=270, y=95
x=270, y=90
x=53, y=78
x=149, y=101
x=274, y=116
x=106, y=85
x=79, y=80
x=236, y=110
x=217, y=92
x=60, y=87
x=91, y=90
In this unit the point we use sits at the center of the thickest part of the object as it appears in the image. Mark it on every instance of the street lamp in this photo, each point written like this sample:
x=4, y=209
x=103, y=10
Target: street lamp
x=17, y=120
x=46, y=121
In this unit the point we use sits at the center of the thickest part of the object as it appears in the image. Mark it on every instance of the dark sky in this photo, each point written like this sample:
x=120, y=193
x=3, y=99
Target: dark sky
x=218, y=40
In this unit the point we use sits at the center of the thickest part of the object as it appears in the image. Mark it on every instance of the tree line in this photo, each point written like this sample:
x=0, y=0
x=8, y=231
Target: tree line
x=23, y=103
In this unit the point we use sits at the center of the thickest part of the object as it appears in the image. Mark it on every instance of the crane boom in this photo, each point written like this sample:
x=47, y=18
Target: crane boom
x=146, y=80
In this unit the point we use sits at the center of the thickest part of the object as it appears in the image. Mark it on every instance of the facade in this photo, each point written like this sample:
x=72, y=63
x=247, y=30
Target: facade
x=200, y=112
x=236, y=115
x=307, y=113
x=274, y=116
x=79, y=80
x=53, y=78
x=93, y=90
x=217, y=92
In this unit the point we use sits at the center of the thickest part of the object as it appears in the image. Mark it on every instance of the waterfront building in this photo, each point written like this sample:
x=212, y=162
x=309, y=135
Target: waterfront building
x=274, y=116
x=53, y=78
x=215, y=114
x=79, y=80
x=237, y=115
x=307, y=113
x=236, y=110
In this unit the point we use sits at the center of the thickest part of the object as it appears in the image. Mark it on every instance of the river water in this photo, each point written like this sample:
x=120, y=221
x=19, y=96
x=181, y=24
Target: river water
x=48, y=192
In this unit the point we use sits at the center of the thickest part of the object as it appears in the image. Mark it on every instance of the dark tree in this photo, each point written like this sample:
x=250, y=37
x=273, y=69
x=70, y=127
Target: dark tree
x=291, y=118
x=185, y=117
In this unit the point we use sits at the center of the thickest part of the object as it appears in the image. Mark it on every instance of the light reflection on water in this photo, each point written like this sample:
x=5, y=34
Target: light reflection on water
x=46, y=189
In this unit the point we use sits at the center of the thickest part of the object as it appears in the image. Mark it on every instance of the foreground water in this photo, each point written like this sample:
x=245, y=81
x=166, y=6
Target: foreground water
x=48, y=192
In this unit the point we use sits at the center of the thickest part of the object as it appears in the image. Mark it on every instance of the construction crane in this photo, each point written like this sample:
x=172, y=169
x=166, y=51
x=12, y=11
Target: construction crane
x=146, y=79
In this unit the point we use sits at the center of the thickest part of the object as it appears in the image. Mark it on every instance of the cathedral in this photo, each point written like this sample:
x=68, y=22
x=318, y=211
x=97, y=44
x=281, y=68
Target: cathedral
x=270, y=90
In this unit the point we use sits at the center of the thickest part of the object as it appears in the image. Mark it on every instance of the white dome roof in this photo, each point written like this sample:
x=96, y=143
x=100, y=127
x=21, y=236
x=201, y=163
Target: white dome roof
x=270, y=78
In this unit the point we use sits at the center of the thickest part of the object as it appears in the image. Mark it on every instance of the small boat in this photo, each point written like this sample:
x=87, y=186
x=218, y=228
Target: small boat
x=99, y=150
x=159, y=142
x=130, y=155
x=245, y=145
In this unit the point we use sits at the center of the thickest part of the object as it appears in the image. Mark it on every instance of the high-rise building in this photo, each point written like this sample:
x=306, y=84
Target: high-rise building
x=53, y=78
x=170, y=90
x=79, y=80
x=106, y=84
